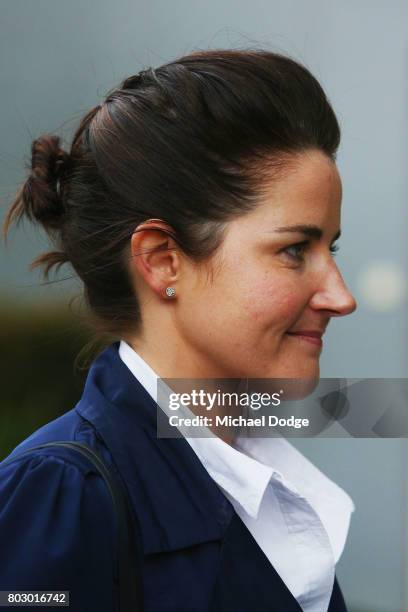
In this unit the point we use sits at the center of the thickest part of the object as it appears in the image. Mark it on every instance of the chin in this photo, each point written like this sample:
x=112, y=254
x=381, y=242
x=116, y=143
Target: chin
x=297, y=371
x=300, y=382
x=300, y=388
x=297, y=381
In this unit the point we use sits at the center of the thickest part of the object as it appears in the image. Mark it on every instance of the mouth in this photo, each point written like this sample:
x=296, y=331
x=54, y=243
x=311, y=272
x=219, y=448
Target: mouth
x=312, y=337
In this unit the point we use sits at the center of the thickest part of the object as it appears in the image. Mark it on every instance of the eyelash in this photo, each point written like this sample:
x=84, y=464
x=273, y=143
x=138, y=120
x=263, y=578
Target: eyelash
x=302, y=245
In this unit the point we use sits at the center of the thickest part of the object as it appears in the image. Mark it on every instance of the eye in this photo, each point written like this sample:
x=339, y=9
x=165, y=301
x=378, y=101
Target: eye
x=334, y=248
x=296, y=251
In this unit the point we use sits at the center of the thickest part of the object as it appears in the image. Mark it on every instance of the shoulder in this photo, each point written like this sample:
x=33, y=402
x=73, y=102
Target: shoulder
x=68, y=426
x=56, y=522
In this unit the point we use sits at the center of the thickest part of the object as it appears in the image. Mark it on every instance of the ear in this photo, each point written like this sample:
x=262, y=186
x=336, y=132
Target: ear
x=155, y=255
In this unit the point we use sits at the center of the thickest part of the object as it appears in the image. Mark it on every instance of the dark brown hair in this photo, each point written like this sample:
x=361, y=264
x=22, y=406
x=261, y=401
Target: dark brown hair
x=190, y=143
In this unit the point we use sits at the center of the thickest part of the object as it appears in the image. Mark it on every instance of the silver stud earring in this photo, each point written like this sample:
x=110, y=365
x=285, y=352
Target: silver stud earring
x=170, y=291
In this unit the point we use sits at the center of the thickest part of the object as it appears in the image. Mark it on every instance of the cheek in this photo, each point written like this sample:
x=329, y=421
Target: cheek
x=245, y=306
x=274, y=302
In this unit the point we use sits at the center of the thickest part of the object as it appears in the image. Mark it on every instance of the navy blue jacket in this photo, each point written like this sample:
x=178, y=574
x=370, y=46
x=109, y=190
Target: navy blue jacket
x=56, y=515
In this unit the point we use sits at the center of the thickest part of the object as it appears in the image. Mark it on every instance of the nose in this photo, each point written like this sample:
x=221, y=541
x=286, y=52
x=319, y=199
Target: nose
x=333, y=295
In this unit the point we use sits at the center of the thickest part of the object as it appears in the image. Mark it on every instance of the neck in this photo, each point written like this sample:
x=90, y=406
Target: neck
x=189, y=370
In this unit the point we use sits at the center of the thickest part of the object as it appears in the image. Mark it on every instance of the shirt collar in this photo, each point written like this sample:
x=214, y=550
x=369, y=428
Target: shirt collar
x=333, y=505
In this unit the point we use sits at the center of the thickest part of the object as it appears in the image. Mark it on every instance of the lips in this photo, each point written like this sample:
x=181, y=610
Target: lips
x=308, y=335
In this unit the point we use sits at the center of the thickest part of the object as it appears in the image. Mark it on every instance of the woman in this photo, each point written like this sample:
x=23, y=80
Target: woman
x=200, y=206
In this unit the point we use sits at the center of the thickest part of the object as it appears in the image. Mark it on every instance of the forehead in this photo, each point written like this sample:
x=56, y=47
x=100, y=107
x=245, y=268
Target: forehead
x=309, y=192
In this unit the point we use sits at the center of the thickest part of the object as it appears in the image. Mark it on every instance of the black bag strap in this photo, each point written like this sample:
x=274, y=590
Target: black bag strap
x=129, y=571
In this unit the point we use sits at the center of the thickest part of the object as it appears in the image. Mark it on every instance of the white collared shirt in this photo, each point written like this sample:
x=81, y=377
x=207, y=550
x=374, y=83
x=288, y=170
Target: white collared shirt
x=296, y=514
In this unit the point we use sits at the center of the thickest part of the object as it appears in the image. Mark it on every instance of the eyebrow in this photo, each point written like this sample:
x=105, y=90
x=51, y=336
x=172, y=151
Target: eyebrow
x=313, y=231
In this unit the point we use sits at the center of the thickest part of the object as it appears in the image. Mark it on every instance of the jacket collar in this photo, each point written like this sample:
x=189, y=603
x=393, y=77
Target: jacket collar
x=176, y=501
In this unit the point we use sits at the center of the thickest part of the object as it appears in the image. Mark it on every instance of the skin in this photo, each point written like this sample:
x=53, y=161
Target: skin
x=265, y=283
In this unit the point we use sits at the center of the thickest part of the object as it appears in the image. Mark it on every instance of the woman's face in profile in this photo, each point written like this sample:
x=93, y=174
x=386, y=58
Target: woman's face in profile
x=275, y=277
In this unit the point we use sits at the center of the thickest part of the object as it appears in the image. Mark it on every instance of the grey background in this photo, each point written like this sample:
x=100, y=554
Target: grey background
x=60, y=58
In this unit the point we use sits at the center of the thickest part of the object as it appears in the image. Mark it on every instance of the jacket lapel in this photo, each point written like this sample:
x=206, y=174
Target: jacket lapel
x=246, y=578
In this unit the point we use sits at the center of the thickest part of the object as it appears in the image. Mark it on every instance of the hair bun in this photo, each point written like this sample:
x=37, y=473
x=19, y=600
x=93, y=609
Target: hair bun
x=42, y=191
